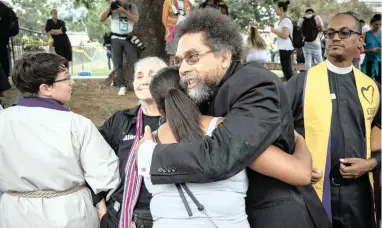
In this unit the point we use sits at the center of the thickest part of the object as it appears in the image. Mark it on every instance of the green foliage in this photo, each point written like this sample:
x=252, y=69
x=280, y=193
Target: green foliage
x=249, y=12
x=327, y=8
x=97, y=29
x=34, y=13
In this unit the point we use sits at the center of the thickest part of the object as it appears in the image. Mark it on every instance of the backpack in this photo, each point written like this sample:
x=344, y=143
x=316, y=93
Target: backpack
x=298, y=40
x=309, y=28
x=13, y=26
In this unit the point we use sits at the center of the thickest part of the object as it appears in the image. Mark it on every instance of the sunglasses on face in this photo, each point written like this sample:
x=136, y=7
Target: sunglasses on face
x=343, y=33
x=190, y=58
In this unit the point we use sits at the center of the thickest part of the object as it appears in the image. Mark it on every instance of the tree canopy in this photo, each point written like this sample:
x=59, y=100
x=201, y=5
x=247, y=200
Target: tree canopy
x=34, y=13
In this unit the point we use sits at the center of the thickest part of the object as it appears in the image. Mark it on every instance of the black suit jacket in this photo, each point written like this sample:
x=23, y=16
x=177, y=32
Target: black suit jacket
x=254, y=103
x=257, y=114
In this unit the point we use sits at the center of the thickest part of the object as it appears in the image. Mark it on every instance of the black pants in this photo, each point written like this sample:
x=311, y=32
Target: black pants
x=142, y=218
x=118, y=47
x=352, y=204
x=286, y=63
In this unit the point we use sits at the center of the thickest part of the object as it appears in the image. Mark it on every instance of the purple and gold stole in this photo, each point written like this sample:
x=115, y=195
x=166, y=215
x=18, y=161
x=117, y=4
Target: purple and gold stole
x=317, y=103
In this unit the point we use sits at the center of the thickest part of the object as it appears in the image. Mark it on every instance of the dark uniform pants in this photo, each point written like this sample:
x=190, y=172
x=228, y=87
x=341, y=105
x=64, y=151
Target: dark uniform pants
x=352, y=203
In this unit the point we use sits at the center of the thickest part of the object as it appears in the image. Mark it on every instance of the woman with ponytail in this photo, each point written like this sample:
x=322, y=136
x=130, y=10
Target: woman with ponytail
x=256, y=48
x=222, y=203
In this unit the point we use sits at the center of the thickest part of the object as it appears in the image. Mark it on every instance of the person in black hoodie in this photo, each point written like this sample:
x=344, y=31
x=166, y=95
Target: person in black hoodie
x=257, y=114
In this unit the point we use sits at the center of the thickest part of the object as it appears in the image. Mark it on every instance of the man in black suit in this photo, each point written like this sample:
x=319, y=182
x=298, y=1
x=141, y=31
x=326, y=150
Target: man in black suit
x=257, y=114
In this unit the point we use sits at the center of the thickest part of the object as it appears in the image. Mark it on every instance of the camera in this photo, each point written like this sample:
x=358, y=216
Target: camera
x=137, y=42
x=115, y=4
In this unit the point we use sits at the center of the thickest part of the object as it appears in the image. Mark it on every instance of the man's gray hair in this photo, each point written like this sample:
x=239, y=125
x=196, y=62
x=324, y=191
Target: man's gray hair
x=159, y=61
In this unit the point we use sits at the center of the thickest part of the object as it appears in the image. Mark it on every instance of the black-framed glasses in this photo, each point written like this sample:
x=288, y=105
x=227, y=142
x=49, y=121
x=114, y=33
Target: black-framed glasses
x=69, y=77
x=343, y=33
x=190, y=58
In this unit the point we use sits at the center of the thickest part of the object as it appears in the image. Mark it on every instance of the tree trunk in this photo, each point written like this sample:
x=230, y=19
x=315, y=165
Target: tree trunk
x=150, y=28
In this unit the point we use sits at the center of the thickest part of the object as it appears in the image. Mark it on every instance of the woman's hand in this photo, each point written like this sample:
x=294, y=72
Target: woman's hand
x=316, y=176
x=294, y=169
x=101, y=208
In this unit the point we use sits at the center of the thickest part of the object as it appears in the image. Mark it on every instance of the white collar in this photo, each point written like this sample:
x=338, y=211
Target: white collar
x=338, y=70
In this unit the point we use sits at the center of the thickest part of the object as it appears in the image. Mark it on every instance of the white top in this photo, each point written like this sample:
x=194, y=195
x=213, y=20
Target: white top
x=285, y=44
x=121, y=24
x=223, y=201
x=260, y=56
x=47, y=149
x=366, y=28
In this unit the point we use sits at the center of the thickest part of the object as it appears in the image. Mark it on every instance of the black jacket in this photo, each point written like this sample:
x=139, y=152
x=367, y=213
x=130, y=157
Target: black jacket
x=113, y=131
x=117, y=125
x=255, y=106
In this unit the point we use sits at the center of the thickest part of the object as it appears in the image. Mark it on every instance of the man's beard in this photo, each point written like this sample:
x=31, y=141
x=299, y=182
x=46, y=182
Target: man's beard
x=339, y=57
x=202, y=93
x=336, y=54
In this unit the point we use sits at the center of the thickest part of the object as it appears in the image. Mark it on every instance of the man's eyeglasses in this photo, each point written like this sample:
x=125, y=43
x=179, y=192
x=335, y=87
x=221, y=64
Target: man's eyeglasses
x=342, y=33
x=190, y=58
x=69, y=77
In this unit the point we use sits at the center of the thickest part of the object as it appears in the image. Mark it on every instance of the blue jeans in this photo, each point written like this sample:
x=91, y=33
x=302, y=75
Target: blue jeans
x=109, y=56
x=312, y=51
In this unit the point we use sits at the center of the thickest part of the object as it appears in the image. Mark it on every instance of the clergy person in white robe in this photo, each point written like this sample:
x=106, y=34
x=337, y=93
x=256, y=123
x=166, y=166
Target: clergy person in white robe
x=49, y=156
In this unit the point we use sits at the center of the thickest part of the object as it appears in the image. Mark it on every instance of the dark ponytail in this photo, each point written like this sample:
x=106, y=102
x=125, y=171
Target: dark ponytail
x=181, y=113
x=283, y=5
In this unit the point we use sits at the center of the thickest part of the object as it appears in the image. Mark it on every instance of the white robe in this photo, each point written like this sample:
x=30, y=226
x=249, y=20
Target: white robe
x=47, y=149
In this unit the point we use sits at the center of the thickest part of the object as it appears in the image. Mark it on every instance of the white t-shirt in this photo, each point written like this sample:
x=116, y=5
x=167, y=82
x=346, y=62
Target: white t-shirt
x=285, y=44
x=224, y=202
x=366, y=28
x=120, y=23
x=257, y=55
